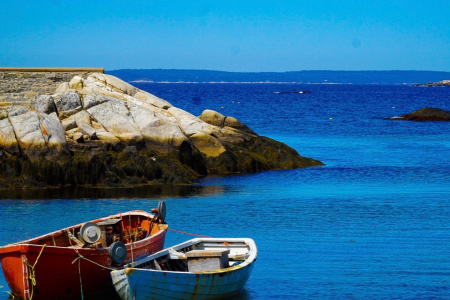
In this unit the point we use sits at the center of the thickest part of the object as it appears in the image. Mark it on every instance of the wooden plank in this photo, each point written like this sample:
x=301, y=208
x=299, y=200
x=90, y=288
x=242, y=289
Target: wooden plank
x=207, y=253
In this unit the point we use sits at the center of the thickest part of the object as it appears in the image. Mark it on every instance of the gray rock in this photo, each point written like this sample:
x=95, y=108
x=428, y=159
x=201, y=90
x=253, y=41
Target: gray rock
x=116, y=119
x=159, y=131
x=55, y=136
x=63, y=87
x=27, y=129
x=234, y=123
x=115, y=83
x=152, y=99
x=8, y=140
x=92, y=100
x=189, y=123
x=71, y=121
x=70, y=112
x=54, y=115
x=212, y=117
x=68, y=101
x=44, y=104
x=87, y=130
x=76, y=83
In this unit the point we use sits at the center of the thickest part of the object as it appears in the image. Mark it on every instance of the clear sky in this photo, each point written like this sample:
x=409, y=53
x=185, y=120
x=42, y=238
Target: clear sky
x=227, y=35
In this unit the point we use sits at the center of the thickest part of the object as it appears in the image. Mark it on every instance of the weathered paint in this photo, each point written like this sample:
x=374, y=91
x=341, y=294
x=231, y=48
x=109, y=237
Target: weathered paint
x=56, y=276
x=144, y=284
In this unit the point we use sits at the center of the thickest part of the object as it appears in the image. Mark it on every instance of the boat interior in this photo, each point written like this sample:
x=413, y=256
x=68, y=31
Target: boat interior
x=197, y=257
x=125, y=228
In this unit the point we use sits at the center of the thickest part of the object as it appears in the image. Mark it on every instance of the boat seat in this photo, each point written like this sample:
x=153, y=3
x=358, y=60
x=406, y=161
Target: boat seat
x=207, y=260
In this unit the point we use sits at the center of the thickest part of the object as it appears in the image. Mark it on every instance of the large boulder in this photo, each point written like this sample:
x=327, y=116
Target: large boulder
x=68, y=101
x=44, y=104
x=159, y=131
x=62, y=88
x=114, y=83
x=91, y=100
x=55, y=137
x=188, y=123
x=76, y=83
x=27, y=129
x=71, y=121
x=207, y=144
x=425, y=114
x=116, y=119
x=152, y=99
x=214, y=118
x=8, y=140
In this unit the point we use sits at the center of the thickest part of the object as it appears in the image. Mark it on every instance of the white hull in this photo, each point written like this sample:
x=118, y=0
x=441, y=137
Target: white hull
x=139, y=283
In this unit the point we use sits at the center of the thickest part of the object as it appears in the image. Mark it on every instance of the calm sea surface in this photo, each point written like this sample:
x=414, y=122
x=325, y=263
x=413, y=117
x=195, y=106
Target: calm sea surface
x=374, y=223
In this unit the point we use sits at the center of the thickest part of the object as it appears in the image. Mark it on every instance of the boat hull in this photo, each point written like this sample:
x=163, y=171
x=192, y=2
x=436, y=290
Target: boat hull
x=153, y=285
x=60, y=273
x=138, y=282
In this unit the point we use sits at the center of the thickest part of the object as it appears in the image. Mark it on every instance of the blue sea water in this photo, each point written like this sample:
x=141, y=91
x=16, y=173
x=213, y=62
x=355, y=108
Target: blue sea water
x=373, y=223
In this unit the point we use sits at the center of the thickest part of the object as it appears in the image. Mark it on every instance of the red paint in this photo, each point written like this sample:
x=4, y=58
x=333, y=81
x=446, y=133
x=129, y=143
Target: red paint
x=56, y=276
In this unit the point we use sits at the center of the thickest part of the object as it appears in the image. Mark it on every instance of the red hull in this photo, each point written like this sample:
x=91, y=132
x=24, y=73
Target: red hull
x=57, y=276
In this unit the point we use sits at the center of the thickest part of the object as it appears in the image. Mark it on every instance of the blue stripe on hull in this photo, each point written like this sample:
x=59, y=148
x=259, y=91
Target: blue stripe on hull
x=148, y=284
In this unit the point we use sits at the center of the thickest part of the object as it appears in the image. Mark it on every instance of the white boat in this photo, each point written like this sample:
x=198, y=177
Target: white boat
x=201, y=268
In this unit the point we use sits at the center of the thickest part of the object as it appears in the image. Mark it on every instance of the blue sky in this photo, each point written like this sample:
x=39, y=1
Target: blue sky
x=227, y=35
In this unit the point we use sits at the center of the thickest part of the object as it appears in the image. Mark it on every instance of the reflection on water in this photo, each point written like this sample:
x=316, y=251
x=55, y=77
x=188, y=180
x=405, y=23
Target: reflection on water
x=153, y=191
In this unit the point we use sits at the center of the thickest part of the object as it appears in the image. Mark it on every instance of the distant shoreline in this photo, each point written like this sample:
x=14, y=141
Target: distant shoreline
x=231, y=82
x=261, y=82
x=294, y=77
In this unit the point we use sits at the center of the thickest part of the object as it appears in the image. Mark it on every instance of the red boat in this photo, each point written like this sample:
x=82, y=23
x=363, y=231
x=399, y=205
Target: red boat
x=63, y=265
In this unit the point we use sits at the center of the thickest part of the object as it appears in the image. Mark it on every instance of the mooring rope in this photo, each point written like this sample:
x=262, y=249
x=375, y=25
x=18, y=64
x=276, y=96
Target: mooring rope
x=79, y=258
x=32, y=276
x=188, y=233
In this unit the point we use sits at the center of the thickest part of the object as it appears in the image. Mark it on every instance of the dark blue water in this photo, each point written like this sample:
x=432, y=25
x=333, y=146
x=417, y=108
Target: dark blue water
x=374, y=223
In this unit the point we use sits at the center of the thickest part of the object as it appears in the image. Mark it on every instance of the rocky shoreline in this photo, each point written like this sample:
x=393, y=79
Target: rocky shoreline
x=103, y=132
x=440, y=83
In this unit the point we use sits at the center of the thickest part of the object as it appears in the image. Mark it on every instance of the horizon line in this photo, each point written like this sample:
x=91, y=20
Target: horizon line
x=211, y=70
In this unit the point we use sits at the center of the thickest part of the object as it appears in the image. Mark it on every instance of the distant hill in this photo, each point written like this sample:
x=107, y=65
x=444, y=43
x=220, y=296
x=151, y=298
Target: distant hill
x=345, y=77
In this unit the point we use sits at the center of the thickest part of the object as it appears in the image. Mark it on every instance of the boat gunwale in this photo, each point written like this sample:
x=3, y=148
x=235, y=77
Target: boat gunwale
x=25, y=246
x=134, y=266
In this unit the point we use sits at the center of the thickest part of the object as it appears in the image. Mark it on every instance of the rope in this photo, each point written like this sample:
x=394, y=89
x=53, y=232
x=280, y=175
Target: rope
x=82, y=257
x=188, y=233
x=81, y=283
x=79, y=266
x=11, y=295
x=32, y=277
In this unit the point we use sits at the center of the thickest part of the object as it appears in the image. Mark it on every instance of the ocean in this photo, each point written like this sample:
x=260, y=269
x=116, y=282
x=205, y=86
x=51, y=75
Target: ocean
x=373, y=223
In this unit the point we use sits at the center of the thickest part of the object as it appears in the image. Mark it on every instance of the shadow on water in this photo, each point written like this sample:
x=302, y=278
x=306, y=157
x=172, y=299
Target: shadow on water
x=154, y=191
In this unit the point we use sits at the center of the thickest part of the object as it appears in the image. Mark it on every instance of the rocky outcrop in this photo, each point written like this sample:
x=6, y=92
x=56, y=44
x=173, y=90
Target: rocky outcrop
x=439, y=83
x=425, y=114
x=102, y=131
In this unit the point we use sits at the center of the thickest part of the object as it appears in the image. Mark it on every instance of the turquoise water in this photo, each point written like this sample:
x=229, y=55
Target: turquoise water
x=371, y=224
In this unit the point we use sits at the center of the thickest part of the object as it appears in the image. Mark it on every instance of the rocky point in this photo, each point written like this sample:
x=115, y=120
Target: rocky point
x=102, y=131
